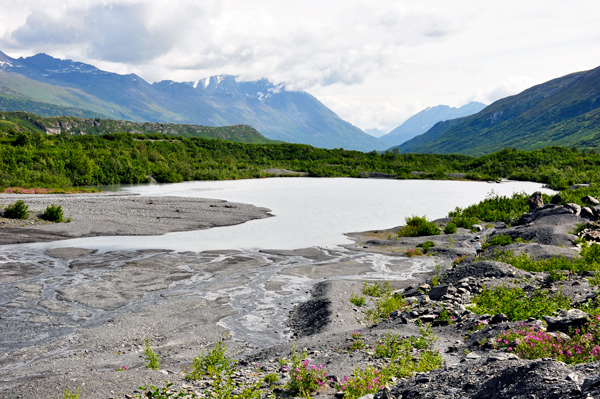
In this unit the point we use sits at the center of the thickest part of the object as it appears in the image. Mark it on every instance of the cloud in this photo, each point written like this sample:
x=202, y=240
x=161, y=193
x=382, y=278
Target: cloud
x=115, y=32
x=507, y=87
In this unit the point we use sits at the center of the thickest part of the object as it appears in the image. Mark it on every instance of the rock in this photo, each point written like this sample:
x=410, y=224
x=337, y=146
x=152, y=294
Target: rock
x=477, y=227
x=424, y=288
x=428, y=318
x=499, y=318
x=551, y=209
x=473, y=355
x=588, y=199
x=502, y=356
x=587, y=212
x=410, y=292
x=385, y=393
x=574, y=208
x=535, y=200
x=367, y=396
x=589, y=383
x=556, y=199
x=571, y=318
x=439, y=291
x=576, y=186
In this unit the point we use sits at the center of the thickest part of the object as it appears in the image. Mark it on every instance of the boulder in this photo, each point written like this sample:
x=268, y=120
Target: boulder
x=576, y=186
x=439, y=291
x=574, y=208
x=477, y=227
x=572, y=318
x=556, y=199
x=588, y=199
x=588, y=213
x=499, y=318
x=535, y=201
x=551, y=210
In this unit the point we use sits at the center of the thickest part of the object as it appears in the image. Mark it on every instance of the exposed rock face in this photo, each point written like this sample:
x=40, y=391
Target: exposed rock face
x=556, y=199
x=535, y=201
x=572, y=318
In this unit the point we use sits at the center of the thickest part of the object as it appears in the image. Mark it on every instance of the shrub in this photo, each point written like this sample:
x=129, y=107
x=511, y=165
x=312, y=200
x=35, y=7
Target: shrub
x=213, y=363
x=427, y=245
x=384, y=306
x=18, y=210
x=364, y=382
x=150, y=356
x=450, y=228
x=357, y=342
x=465, y=222
x=357, y=300
x=53, y=213
x=517, y=304
x=418, y=226
x=271, y=378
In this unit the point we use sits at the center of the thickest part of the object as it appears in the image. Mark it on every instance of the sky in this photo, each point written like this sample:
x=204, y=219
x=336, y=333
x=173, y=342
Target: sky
x=374, y=63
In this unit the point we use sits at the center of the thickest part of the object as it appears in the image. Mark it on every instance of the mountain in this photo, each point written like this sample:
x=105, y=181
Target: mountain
x=23, y=121
x=562, y=112
x=424, y=120
x=292, y=116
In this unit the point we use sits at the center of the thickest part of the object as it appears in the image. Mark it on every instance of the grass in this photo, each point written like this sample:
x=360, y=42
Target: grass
x=150, y=356
x=413, y=252
x=68, y=395
x=500, y=240
x=418, y=226
x=587, y=260
x=406, y=357
x=384, y=306
x=376, y=289
x=516, y=304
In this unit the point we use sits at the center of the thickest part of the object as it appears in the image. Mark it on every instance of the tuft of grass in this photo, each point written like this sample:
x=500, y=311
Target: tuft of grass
x=418, y=226
x=150, y=356
x=427, y=245
x=376, y=289
x=357, y=300
x=517, y=304
x=53, y=213
x=68, y=395
x=384, y=306
x=17, y=210
x=499, y=240
x=413, y=252
x=271, y=378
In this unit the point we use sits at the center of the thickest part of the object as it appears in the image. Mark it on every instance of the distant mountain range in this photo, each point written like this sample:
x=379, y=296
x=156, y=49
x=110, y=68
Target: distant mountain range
x=424, y=120
x=49, y=86
x=562, y=112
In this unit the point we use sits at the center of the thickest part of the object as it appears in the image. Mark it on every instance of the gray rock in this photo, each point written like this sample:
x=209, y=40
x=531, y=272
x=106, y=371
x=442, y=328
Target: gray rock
x=477, y=227
x=574, y=208
x=535, y=200
x=556, y=199
x=588, y=199
x=439, y=291
x=587, y=212
x=590, y=382
x=576, y=186
x=499, y=318
x=571, y=318
x=501, y=357
x=367, y=396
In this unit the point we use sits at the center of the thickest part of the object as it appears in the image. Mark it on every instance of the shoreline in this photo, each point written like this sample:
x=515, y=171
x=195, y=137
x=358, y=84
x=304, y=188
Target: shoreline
x=322, y=319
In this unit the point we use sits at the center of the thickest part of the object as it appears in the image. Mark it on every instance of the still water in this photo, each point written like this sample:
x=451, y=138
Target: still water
x=308, y=211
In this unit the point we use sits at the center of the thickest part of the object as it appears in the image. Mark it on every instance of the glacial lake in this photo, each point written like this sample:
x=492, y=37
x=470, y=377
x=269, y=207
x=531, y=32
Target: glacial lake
x=308, y=211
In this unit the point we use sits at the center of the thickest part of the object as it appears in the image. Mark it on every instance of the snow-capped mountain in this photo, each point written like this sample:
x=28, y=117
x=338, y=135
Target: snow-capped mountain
x=292, y=116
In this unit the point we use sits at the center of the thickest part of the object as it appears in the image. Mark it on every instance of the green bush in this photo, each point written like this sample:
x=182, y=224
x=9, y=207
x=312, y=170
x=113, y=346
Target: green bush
x=450, y=228
x=357, y=300
x=18, y=210
x=465, y=222
x=499, y=240
x=427, y=245
x=305, y=377
x=150, y=356
x=376, y=289
x=517, y=304
x=418, y=226
x=53, y=213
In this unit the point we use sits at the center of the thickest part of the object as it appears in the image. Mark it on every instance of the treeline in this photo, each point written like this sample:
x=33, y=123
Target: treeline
x=29, y=159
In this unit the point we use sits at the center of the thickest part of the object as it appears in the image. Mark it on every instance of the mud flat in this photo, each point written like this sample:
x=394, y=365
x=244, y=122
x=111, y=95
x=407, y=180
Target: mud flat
x=111, y=214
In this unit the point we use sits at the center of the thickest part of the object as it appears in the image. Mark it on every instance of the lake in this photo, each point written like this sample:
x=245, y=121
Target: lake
x=308, y=211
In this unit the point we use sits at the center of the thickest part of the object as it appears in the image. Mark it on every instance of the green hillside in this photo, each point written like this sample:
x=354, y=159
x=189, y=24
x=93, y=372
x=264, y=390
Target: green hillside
x=22, y=121
x=561, y=112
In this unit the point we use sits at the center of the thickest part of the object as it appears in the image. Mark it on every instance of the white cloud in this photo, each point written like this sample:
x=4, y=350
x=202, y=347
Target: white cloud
x=373, y=63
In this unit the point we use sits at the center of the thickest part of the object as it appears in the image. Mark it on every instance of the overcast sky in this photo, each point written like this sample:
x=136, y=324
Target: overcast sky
x=375, y=63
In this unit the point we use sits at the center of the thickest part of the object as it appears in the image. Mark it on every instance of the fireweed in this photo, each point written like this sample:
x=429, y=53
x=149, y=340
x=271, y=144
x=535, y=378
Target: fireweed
x=305, y=377
x=529, y=342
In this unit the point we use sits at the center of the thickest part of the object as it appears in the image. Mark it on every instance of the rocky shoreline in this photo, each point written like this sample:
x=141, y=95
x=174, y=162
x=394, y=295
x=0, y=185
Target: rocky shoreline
x=325, y=323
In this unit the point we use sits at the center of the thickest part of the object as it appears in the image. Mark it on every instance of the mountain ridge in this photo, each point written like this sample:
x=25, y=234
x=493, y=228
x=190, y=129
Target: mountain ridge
x=564, y=111
x=292, y=116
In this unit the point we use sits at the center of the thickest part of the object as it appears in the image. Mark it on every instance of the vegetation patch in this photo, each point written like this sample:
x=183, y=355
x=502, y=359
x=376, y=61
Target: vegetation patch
x=517, y=304
x=150, y=356
x=418, y=226
x=529, y=342
x=53, y=213
x=17, y=210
